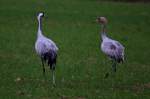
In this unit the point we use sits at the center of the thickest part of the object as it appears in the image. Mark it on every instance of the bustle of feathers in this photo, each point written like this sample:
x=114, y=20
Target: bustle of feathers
x=50, y=58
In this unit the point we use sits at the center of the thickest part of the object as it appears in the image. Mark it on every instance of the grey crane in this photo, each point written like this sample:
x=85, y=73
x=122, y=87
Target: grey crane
x=112, y=48
x=46, y=48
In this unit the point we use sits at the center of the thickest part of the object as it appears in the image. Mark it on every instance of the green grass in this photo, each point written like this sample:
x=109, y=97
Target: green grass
x=81, y=65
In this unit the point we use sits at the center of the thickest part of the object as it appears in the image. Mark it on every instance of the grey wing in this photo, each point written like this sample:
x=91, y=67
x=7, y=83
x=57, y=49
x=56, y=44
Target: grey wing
x=41, y=48
x=114, y=50
x=52, y=45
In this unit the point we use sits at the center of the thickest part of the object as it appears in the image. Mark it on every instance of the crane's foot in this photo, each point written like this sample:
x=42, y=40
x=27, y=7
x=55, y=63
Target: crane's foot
x=54, y=84
x=106, y=75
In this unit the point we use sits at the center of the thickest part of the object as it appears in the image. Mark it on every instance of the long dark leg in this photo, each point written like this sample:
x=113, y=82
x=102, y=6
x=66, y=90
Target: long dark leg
x=53, y=74
x=107, y=73
x=43, y=66
x=114, y=65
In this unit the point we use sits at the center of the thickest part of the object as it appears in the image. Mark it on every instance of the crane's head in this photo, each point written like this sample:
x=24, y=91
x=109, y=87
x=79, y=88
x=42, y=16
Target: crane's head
x=102, y=20
x=41, y=14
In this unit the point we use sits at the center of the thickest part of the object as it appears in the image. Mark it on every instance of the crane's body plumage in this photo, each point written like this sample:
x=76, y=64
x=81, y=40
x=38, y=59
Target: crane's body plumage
x=113, y=49
x=44, y=45
x=46, y=48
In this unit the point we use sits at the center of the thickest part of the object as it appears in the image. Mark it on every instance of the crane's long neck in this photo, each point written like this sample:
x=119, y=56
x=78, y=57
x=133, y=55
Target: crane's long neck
x=103, y=31
x=39, y=27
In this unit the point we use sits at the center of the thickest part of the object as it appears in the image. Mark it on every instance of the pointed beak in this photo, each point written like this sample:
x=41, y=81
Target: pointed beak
x=96, y=20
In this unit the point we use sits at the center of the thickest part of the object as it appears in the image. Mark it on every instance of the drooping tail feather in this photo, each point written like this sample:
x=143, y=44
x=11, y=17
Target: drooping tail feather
x=50, y=58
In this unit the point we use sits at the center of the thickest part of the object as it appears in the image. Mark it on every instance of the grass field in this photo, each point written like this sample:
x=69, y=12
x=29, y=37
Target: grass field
x=81, y=65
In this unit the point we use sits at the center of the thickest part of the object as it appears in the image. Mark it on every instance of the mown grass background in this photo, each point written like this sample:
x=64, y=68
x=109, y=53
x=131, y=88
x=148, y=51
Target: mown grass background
x=81, y=65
